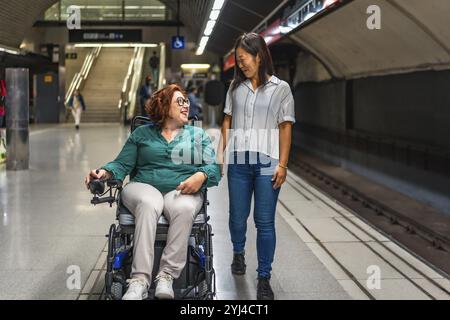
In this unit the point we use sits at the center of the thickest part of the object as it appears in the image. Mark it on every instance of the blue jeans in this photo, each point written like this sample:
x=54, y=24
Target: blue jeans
x=244, y=180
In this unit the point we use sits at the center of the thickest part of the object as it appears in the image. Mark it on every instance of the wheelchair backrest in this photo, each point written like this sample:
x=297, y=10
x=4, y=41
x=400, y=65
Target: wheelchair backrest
x=139, y=121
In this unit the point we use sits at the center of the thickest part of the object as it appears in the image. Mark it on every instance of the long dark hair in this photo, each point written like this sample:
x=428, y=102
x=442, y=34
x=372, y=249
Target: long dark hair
x=255, y=45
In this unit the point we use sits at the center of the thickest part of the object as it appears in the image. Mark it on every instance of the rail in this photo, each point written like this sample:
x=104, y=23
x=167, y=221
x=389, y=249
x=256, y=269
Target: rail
x=79, y=79
x=128, y=96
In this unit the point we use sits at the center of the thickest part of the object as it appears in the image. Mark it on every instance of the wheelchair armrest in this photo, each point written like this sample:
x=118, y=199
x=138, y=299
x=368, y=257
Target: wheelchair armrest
x=96, y=200
x=114, y=183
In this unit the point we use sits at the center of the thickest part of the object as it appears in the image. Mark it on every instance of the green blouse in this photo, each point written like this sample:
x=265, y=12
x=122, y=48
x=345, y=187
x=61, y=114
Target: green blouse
x=148, y=158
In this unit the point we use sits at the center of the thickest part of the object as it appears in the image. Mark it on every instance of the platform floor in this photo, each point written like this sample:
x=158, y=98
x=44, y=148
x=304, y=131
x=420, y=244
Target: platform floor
x=49, y=229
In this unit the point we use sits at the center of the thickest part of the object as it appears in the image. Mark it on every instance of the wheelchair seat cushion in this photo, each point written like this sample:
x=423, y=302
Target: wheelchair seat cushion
x=126, y=218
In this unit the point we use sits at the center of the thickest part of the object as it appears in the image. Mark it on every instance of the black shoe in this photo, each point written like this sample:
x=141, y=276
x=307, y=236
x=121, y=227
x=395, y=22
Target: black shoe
x=264, y=291
x=238, y=265
x=77, y=127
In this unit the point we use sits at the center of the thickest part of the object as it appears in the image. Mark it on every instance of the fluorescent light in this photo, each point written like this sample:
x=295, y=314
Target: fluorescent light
x=214, y=14
x=154, y=7
x=209, y=27
x=116, y=45
x=204, y=41
x=200, y=51
x=329, y=3
x=218, y=4
x=9, y=50
x=145, y=7
x=309, y=16
x=97, y=7
x=195, y=66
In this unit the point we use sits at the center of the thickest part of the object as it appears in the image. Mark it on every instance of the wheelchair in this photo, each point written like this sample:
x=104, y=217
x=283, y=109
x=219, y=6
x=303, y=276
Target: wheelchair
x=197, y=280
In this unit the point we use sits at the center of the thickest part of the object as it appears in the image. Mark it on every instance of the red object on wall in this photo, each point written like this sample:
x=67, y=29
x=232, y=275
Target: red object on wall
x=2, y=88
x=2, y=97
x=229, y=61
x=272, y=33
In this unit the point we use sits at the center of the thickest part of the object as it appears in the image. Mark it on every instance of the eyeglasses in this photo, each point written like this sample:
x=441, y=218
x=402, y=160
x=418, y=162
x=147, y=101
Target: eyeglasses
x=181, y=102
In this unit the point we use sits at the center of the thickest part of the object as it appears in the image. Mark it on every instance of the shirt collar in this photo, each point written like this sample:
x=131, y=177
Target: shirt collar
x=272, y=79
x=248, y=84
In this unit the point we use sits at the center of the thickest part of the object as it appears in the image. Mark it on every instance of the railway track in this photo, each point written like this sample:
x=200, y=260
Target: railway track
x=428, y=245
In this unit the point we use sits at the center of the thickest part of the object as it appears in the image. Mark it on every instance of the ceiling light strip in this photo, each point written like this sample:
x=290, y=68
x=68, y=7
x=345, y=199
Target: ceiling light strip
x=208, y=27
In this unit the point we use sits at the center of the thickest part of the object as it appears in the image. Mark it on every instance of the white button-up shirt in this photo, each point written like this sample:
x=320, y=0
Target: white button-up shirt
x=256, y=115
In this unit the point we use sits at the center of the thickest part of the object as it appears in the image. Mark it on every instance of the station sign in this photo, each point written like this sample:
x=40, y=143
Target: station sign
x=294, y=17
x=200, y=75
x=106, y=36
x=71, y=55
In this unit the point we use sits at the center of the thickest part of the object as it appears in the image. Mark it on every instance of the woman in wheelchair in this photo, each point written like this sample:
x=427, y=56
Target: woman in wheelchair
x=169, y=164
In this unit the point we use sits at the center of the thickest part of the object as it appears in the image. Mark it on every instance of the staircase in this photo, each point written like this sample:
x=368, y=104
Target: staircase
x=104, y=85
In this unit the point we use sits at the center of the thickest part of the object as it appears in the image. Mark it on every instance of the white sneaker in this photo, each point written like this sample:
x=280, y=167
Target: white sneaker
x=137, y=290
x=164, y=288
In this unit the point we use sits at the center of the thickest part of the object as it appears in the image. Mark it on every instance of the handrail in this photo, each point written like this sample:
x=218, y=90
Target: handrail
x=80, y=77
x=127, y=102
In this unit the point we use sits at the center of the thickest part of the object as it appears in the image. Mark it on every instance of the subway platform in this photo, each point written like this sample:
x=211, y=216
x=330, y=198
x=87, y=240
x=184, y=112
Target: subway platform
x=324, y=251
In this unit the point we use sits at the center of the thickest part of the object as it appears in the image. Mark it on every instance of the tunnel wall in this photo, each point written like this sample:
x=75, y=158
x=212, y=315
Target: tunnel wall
x=410, y=106
x=391, y=129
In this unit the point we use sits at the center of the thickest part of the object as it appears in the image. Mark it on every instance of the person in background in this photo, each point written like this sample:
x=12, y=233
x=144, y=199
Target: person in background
x=196, y=108
x=145, y=93
x=77, y=106
x=154, y=64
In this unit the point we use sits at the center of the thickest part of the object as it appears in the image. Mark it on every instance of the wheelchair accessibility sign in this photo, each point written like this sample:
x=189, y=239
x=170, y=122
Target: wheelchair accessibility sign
x=177, y=42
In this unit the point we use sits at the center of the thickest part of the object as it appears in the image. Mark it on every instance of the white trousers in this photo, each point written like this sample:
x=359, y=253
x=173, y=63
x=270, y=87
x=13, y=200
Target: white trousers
x=77, y=115
x=147, y=204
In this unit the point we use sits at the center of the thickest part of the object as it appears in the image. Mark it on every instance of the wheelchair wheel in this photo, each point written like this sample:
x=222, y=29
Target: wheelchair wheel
x=117, y=291
x=109, y=261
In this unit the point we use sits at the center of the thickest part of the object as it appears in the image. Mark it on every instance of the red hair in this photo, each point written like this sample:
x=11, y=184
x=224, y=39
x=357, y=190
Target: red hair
x=158, y=105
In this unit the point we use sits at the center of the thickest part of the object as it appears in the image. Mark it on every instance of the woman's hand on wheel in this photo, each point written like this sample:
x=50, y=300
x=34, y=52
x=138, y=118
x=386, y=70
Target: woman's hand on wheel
x=279, y=176
x=192, y=184
x=96, y=174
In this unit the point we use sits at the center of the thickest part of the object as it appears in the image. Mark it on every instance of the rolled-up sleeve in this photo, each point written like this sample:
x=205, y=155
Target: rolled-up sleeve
x=209, y=164
x=287, y=108
x=125, y=161
x=229, y=102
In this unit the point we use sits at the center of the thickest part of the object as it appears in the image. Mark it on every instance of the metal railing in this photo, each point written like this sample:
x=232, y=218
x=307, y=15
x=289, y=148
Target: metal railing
x=128, y=96
x=79, y=79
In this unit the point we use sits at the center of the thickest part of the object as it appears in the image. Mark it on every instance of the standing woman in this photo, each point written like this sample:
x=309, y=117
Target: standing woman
x=77, y=106
x=260, y=111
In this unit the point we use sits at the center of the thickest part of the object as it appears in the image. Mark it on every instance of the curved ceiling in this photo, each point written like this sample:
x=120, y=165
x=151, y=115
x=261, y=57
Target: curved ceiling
x=237, y=17
x=17, y=17
x=414, y=35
